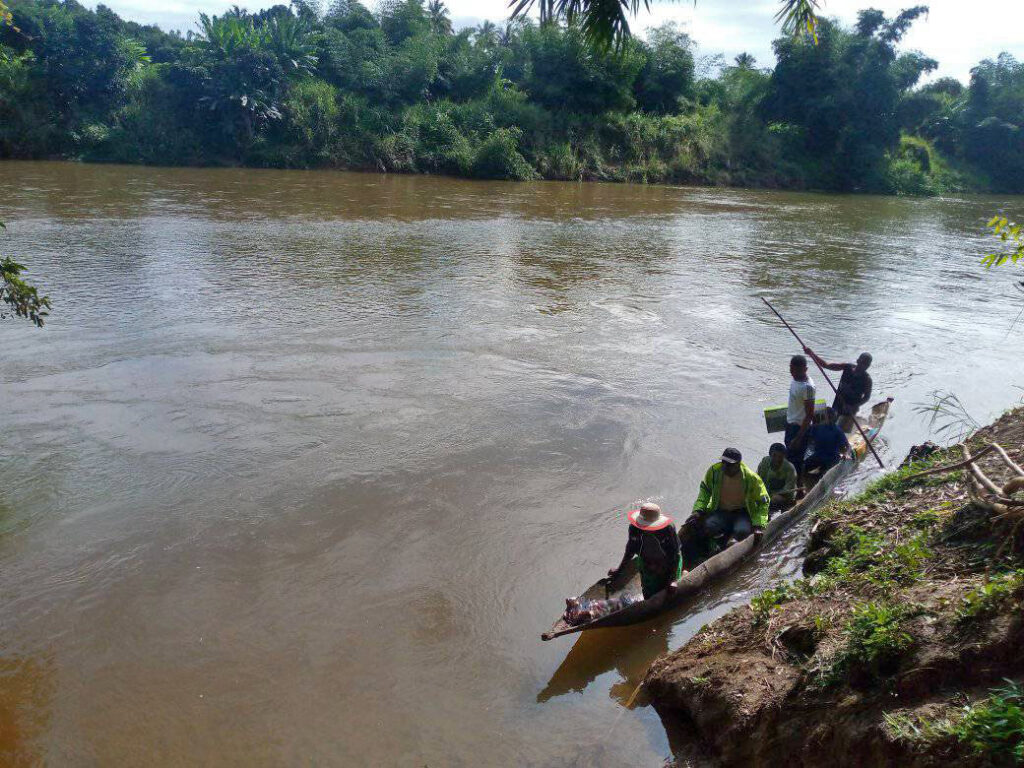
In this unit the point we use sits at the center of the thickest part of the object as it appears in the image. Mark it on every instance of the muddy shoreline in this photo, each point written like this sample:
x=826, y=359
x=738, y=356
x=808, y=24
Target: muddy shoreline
x=901, y=646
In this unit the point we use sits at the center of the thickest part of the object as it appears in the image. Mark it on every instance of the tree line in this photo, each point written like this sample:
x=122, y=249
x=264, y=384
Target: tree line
x=398, y=89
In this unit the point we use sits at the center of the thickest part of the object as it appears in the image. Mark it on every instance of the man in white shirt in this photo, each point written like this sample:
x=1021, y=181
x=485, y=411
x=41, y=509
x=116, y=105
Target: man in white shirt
x=800, y=413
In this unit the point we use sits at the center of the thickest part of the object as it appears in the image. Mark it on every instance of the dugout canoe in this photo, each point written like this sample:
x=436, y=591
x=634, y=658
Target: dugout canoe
x=727, y=560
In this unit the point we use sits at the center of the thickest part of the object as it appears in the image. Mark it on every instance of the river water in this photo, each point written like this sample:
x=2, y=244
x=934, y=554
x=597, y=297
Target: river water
x=304, y=463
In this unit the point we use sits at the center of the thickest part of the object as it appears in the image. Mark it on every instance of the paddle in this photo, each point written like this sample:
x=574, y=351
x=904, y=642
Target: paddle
x=804, y=346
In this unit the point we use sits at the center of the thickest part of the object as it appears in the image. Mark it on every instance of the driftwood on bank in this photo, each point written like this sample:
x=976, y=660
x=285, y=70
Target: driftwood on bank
x=981, y=477
x=951, y=467
x=980, y=483
x=999, y=504
x=1006, y=458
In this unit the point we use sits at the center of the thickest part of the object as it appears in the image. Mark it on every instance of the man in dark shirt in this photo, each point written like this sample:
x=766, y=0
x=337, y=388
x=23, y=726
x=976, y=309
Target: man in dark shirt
x=830, y=445
x=654, y=542
x=854, y=386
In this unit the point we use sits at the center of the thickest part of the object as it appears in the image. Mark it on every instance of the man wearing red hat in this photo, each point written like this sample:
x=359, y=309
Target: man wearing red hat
x=654, y=542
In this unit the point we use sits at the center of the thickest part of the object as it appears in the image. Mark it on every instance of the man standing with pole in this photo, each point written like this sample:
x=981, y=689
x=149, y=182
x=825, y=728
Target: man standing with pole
x=854, y=386
x=804, y=346
x=799, y=413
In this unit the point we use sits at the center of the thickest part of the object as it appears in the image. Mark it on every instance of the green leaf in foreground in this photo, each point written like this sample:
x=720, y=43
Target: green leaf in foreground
x=20, y=296
x=1009, y=232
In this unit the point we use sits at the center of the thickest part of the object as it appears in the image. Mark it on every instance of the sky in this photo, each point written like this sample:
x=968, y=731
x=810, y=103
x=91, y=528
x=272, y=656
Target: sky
x=958, y=33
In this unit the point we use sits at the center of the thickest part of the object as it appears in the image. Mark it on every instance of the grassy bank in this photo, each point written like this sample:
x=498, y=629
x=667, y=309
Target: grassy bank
x=901, y=646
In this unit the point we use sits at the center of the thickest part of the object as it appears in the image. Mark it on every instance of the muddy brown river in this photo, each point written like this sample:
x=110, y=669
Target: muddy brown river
x=304, y=463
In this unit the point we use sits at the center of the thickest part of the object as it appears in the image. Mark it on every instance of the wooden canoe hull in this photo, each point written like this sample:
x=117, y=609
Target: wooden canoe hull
x=694, y=581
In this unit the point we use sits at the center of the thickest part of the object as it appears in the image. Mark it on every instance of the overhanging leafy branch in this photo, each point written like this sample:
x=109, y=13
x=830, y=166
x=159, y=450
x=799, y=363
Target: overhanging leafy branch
x=21, y=298
x=1009, y=232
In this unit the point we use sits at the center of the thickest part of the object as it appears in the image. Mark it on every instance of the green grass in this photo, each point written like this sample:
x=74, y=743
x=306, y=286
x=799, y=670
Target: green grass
x=935, y=517
x=821, y=625
x=829, y=510
x=898, y=481
x=917, y=729
x=892, y=483
x=865, y=559
x=874, y=640
x=868, y=558
x=766, y=602
x=875, y=634
x=995, y=727
x=992, y=728
x=990, y=596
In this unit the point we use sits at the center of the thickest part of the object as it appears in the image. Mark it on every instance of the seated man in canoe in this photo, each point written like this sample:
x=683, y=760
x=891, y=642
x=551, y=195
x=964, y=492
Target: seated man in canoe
x=854, y=386
x=779, y=477
x=654, y=542
x=830, y=445
x=732, y=502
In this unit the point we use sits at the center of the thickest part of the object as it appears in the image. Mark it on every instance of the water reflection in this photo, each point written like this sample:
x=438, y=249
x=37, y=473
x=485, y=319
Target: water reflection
x=627, y=650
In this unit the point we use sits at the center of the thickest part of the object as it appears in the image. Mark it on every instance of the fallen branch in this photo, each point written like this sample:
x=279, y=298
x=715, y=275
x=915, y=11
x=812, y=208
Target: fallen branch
x=951, y=467
x=1000, y=509
x=980, y=476
x=1009, y=462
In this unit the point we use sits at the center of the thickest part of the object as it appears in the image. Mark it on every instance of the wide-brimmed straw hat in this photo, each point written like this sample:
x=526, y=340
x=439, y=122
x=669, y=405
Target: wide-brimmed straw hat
x=649, y=518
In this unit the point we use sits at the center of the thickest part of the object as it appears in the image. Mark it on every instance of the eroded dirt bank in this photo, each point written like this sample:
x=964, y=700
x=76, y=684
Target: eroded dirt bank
x=904, y=644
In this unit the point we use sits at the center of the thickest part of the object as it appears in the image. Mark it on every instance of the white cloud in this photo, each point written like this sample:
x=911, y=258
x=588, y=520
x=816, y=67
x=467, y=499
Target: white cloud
x=956, y=33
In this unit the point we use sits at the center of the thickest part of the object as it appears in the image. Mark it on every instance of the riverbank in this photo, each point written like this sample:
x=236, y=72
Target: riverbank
x=398, y=90
x=900, y=647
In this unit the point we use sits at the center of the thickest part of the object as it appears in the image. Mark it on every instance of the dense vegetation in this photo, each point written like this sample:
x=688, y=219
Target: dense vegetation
x=400, y=90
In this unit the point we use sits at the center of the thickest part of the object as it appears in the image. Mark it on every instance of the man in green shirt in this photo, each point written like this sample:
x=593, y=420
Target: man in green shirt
x=779, y=476
x=732, y=503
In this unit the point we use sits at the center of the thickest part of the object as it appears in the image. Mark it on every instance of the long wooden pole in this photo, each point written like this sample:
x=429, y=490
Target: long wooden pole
x=804, y=346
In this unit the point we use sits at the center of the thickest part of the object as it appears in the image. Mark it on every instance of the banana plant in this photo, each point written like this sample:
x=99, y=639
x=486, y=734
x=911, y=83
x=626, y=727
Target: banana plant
x=290, y=40
x=229, y=35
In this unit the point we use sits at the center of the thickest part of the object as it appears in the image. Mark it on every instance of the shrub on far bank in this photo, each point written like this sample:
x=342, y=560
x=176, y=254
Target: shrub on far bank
x=498, y=157
x=905, y=176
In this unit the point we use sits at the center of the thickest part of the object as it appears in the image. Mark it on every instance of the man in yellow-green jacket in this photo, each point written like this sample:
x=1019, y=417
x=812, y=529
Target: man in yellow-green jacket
x=733, y=501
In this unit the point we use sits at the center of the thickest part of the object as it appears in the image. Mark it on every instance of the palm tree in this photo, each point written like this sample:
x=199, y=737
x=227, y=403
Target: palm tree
x=487, y=35
x=512, y=28
x=547, y=12
x=745, y=61
x=439, y=21
x=605, y=22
